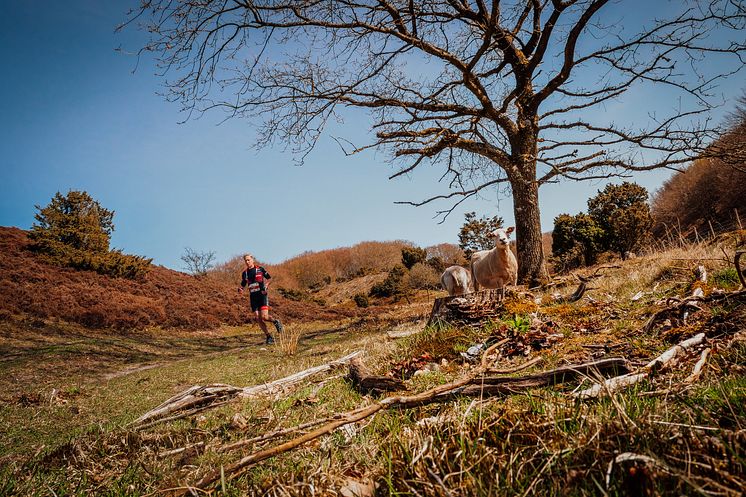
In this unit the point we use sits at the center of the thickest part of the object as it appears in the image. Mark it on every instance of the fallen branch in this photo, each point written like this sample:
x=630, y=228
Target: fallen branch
x=201, y=397
x=697, y=371
x=664, y=360
x=401, y=334
x=437, y=394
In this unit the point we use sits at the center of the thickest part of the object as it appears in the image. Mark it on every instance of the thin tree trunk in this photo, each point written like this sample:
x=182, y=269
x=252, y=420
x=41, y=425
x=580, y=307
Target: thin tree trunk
x=531, y=268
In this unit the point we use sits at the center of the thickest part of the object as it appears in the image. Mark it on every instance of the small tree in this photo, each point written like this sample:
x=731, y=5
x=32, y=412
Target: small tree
x=198, y=263
x=75, y=221
x=576, y=240
x=412, y=255
x=622, y=211
x=74, y=230
x=476, y=234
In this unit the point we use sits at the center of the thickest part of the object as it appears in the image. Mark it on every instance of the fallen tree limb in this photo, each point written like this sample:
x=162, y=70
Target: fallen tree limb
x=489, y=386
x=697, y=371
x=201, y=397
x=666, y=359
x=401, y=334
x=438, y=394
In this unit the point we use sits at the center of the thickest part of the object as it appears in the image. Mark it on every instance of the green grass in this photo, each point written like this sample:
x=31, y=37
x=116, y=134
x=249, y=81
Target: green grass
x=536, y=442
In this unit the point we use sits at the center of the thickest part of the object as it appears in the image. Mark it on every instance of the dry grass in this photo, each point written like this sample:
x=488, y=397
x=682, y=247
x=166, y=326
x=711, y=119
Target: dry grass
x=539, y=442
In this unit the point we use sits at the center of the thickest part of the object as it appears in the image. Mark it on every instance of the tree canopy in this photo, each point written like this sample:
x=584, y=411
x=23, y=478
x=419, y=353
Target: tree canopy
x=496, y=93
x=476, y=233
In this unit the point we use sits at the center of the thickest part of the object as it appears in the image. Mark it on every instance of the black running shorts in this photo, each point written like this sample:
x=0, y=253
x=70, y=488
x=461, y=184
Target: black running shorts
x=259, y=301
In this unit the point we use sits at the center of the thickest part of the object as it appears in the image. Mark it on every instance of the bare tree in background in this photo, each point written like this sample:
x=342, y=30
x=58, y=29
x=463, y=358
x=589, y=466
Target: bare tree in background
x=497, y=93
x=198, y=263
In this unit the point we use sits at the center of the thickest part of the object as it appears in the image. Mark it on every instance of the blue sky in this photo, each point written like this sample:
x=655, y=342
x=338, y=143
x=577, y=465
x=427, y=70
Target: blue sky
x=74, y=115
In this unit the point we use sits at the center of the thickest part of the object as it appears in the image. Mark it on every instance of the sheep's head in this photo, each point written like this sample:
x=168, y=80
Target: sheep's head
x=502, y=236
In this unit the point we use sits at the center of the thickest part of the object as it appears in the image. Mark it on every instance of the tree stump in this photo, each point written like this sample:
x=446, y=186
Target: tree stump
x=469, y=309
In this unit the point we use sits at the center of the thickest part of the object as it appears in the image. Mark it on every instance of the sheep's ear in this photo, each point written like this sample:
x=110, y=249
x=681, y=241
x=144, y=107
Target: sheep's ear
x=510, y=230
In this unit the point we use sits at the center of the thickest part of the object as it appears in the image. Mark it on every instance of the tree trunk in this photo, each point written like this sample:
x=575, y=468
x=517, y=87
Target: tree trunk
x=531, y=268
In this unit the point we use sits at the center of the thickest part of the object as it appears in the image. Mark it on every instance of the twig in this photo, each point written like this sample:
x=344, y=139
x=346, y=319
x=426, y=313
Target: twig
x=697, y=371
x=179, y=450
x=492, y=349
x=683, y=425
x=739, y=271
x=523, y=366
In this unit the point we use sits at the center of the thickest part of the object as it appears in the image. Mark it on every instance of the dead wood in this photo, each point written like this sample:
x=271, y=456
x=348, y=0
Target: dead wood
x=739, y=271
x=468, y=309
x=697, y=371
x=666, y=359
x=365, y=382
x=201, y=397
x=490, y=385
x=438, y=394
x=401, y=334
x=576, y=295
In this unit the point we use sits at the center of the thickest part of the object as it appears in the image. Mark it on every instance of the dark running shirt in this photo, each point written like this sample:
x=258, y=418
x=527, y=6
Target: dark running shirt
x=255, y=278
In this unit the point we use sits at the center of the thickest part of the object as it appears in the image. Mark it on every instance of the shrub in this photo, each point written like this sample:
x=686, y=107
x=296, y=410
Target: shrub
x=74, y=231
x=412, y=255
x=198, y=263
x=393, y=286
x=623, y=213
x=576, y=240
x=423, y=277
x=361, y=300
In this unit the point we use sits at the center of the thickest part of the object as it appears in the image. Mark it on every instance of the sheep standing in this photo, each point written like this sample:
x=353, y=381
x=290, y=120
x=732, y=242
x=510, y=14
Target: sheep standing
x=496, y=268
x=456, y=280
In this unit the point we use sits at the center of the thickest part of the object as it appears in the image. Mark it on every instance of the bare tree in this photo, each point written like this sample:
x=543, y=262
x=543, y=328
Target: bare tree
x=497, y=93
x=198, y=263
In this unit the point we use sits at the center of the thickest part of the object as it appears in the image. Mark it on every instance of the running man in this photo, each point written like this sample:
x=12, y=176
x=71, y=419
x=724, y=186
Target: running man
x=257, y=279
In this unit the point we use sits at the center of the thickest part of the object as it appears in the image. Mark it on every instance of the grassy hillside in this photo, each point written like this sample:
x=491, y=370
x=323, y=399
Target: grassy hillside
x=164, y=298
x=667, y=435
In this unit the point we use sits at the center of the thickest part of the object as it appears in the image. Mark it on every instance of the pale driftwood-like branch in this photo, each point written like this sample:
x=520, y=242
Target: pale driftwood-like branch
x=201, y=397
x=697, y=371
x=438, y=394
x=666, y=359
x=401, y=334
x=668, y=356
x=281, y=384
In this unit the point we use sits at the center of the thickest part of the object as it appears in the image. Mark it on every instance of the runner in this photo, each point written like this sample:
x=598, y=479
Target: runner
x=257, y=279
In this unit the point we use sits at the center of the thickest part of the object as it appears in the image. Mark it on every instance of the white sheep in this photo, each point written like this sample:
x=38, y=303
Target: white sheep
x=456, y=280
x=496, y=268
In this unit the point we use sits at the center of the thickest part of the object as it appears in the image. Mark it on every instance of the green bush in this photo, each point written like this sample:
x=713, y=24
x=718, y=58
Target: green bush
x=412, y=255
x=476, y=234
x=393, y=286
x=74, y=231
x=361, y=300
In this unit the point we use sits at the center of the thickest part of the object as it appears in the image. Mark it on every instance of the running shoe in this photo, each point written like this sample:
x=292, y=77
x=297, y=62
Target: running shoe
x=270, y=341
x=278, y=326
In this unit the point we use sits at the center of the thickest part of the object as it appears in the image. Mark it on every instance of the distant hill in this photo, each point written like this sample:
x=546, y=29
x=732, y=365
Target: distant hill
x=708, y=195
x=164, y=298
